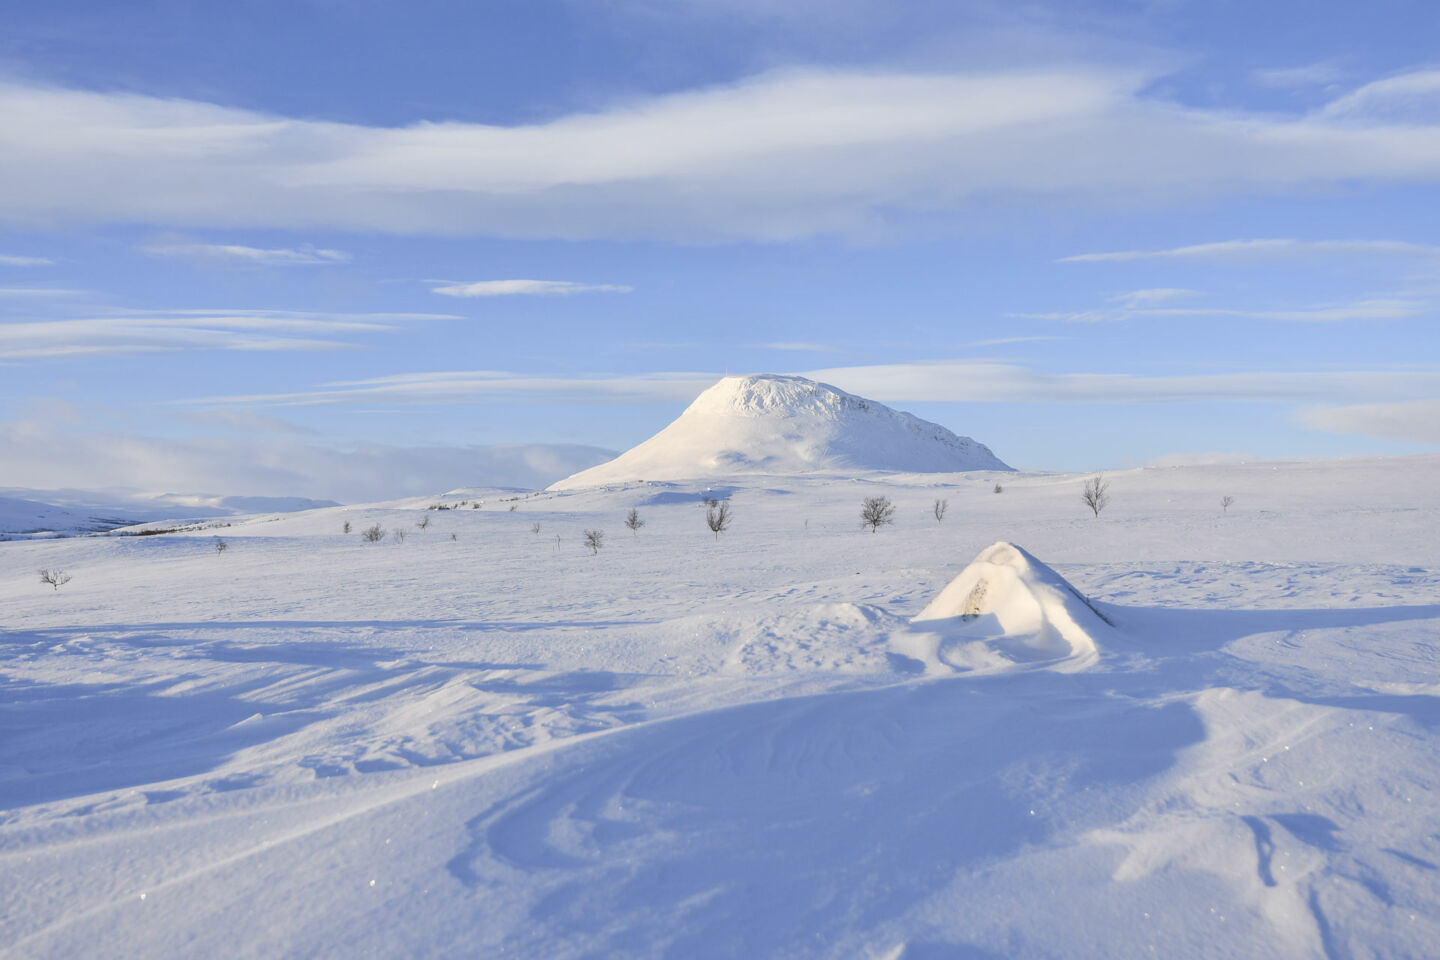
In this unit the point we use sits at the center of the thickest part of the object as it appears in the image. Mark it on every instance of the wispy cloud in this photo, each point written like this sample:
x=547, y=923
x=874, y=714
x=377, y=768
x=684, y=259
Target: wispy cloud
x=17, y=293
x=11, y=260
x=1409, y=98
x=245, y=330
x=1143, y=298
x=1266, y=249
x=797, y=346
x=1005, y=341
x=485, y=385
x=304, y=256
x=1323, y=74
x=1377, y=309
x=957, y=381
x=526, y=288
x=47, y=453
x=1416, y=421
x=969, y=381
x=776, y=156
x=482, y=385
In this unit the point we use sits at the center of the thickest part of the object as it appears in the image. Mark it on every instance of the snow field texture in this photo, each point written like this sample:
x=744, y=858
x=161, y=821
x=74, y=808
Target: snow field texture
x=799, y=739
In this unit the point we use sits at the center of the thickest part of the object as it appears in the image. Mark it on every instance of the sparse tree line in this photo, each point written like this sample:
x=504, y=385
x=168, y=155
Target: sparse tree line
x=875, y=512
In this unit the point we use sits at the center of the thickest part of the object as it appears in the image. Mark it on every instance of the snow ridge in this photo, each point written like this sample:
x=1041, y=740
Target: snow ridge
x=773, y=424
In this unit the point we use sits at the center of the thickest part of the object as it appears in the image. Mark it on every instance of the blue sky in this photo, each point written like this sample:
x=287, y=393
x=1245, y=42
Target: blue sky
x=340, y=249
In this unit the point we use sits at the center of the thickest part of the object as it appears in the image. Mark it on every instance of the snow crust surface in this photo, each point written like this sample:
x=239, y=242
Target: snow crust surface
x=772, y=424
x=787, y=741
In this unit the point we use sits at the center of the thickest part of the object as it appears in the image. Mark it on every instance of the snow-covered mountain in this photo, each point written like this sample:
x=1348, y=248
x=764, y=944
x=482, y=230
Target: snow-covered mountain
x=766, y=423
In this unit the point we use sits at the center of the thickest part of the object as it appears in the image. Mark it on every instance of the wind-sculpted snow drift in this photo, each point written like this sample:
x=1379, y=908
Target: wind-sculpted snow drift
x=1008, y=607
x=787, y=425
x=486, y=740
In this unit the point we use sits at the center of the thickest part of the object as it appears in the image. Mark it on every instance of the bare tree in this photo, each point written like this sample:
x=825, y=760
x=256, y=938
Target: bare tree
x=633, y=521
x=718, y=516
x=373, y=534
x=220, y=546
x=594, y=539
x=424, y=522
x=939, y=509
x=55, y=578
x=1225, y=503
x=347, y=526
x=535, y=529
x=875, y=512
x=1096, y=496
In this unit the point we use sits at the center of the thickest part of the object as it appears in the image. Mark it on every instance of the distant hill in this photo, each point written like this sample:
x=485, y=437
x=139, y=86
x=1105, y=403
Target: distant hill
x=51, y=513
x=766, y=423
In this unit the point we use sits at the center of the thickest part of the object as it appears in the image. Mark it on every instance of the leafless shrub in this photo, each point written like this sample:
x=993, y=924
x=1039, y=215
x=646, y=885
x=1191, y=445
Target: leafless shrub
x=875, y=512
x=939, y=509
x=55, y=578
x=999, y=489
x=1096, y=494
x=220, y=546
x=634, y=521
x=1225, y=503
x=718, y=516
x=399, y=536
x=594, y=539
x=535, y=529
x=373, y=534
x=424, y=522
x=513, y=506
x=347, y=526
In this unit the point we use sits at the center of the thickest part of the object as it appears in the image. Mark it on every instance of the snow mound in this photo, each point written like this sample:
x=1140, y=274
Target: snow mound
x=1008, y=607
x=772, y=424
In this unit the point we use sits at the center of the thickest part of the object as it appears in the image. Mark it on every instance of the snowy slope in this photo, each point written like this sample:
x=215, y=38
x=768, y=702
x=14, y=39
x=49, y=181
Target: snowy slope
x=20, y=517
x=788, y=425
x=50, y=513
x=486, y=741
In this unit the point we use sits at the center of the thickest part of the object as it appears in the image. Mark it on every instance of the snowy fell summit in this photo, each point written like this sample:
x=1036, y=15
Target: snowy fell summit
x=772, y=424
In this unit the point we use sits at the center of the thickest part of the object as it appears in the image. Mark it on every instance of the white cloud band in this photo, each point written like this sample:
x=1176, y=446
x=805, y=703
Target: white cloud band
x=777, y=156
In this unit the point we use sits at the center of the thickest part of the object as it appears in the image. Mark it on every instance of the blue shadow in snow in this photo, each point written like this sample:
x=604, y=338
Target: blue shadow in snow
x=785, y=812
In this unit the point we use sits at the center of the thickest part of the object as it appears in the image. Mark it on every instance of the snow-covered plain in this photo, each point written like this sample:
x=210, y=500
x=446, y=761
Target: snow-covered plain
x=486, y=741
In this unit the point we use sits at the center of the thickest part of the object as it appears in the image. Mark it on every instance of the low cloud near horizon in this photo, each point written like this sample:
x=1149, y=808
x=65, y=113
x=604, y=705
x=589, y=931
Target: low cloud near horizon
x=46, y=453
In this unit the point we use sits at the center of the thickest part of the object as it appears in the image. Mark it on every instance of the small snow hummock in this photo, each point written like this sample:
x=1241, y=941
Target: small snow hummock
x=1019, y=605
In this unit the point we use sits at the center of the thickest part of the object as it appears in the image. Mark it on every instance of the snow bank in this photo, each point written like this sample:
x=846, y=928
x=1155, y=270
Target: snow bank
x=1007, y=601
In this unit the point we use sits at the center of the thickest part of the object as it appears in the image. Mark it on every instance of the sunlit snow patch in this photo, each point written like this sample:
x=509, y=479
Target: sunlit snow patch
x=1006, y=608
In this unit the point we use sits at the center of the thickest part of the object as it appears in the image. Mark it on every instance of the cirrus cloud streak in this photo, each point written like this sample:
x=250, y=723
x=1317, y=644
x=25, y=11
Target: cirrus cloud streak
x=527, y=288
x=122, y=332
x=781, y=155
x=951, y=381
